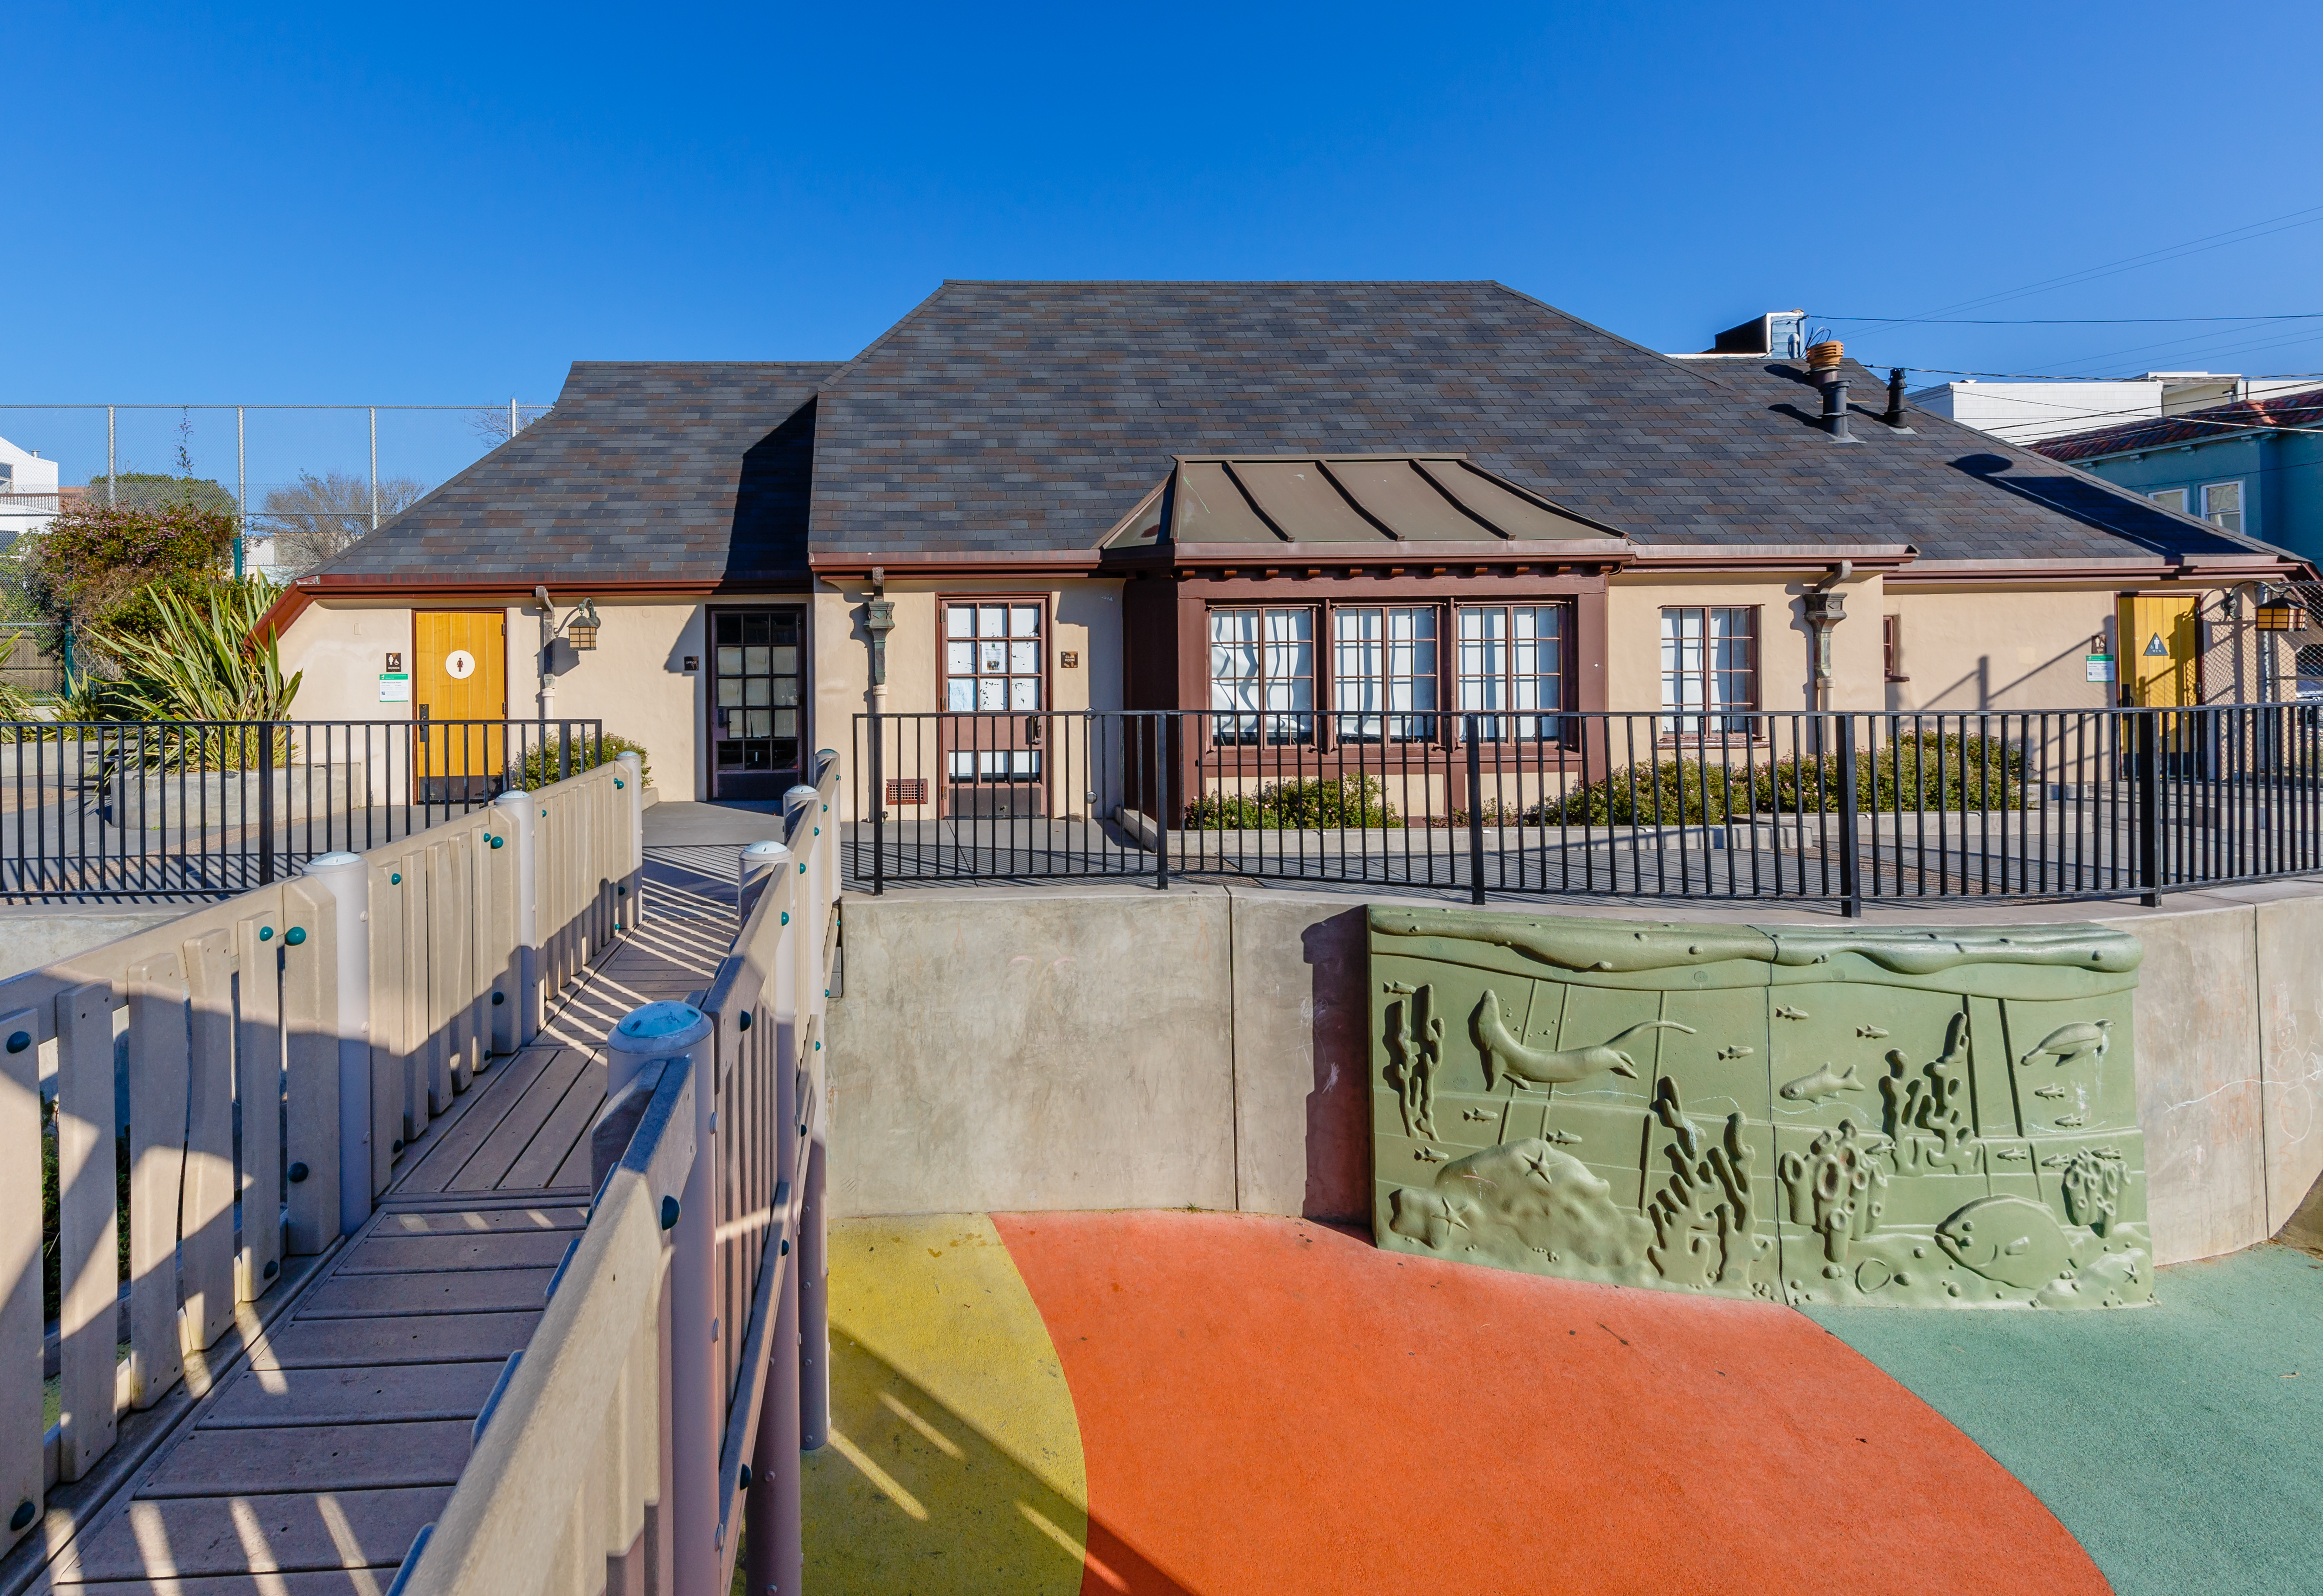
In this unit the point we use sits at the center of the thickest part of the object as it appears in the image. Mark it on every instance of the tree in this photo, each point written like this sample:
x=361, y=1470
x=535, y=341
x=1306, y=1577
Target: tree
x=103, y=566
x=490, y=422
x=149, y=490
x=318, y=519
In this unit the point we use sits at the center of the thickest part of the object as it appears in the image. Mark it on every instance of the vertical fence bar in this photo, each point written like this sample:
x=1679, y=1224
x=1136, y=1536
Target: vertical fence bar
x=1850, y=867
x=1470, y=728
x=2149, y=809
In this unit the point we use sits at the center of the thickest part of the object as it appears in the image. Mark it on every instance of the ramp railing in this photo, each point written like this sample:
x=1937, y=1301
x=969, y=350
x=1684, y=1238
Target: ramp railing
x=247, y=1073
x=648, y=1436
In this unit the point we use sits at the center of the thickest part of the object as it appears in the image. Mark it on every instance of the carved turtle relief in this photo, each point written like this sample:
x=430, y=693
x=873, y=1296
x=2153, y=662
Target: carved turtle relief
x=1933, y=1119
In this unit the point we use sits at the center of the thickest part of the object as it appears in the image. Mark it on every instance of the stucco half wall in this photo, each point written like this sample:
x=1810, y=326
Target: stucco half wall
x=1113, y=1047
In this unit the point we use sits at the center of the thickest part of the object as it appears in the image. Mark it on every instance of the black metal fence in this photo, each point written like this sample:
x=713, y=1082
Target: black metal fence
x=193, y=809
x=1838, y=808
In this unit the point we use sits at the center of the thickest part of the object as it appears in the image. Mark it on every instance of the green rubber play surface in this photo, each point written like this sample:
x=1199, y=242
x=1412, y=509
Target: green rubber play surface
x=2181, y=1444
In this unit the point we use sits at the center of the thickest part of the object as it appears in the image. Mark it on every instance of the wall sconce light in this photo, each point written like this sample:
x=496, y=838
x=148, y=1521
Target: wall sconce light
x=581, y=626
x=2278, y=615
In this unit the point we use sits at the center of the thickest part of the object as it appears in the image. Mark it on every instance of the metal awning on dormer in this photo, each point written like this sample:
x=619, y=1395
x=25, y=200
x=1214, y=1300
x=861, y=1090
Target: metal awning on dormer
x=1342, y=505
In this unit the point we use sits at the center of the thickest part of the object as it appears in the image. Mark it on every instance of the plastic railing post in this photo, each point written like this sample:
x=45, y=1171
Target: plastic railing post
x=348, y=881
x=697, y=1416
x=518, y=814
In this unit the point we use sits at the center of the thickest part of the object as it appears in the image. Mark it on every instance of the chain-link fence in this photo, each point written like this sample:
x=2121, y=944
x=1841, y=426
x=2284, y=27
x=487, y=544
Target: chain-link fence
x=303, y=481
x=2262, y=643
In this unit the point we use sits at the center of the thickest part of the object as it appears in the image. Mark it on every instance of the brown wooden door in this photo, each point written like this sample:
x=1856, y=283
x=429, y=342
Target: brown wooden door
x=993, y=735
x=459, y=673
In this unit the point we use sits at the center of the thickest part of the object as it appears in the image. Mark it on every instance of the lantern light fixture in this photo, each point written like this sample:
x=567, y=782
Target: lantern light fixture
x=581, y=626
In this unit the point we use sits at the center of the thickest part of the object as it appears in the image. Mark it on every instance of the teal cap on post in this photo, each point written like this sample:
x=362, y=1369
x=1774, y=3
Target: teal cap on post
x=659, y=1019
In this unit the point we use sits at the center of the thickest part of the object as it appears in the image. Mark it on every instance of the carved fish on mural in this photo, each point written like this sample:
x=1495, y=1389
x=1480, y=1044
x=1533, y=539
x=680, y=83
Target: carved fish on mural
x=1785, y=1011
x=1872, y=1032
x=2014, y=1155
x=1430, y=1155
x=1823, y=1083
x=1731, y=1054
x=2061, y=1162
x=2069, y=1042
x=1479, y=1114
x=1400, y=988
x=2006, y=1239
x=1534, y=1066
x=1560, y=1138
x=2048, y=1091
x=2074, y=1121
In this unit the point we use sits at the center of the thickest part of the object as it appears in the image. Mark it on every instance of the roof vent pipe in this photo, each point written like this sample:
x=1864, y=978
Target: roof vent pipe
x=1895, y=416
x=1834, y=407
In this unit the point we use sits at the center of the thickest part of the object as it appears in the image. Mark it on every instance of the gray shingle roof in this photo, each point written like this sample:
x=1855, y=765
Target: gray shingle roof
x=1031, y=415
x=677, y=470
x=1028, y=417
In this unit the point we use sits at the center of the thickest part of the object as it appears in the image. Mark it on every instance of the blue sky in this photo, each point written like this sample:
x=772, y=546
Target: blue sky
x=447, y=204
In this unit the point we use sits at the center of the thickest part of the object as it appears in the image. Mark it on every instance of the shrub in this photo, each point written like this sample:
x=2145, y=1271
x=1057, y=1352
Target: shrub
x=1945, y=772
x=540, y=765
x=1317, y=805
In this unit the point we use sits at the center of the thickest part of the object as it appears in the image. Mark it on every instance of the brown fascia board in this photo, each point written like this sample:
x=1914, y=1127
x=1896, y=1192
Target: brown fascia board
x=1771, y=556
x=1500, y=551
x=2237, y=567
x=1082, y=562
x=305, y=590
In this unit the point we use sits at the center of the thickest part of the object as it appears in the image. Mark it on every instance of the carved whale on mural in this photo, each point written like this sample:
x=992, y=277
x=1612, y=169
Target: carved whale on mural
x=1536, y=1067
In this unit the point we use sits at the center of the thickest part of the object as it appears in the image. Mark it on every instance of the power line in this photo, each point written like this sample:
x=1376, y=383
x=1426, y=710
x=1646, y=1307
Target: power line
x=2241, y=235
x=2065, y=321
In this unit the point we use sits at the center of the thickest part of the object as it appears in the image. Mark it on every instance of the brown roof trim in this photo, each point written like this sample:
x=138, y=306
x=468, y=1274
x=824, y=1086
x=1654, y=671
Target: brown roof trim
x=305, y=591
x=982, y=563
x=2215, y=568
x=1770, y=557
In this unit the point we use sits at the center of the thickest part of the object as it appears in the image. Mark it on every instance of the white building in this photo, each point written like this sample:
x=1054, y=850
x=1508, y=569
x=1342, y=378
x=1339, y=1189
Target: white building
x=28, y=491
x=2025, y=412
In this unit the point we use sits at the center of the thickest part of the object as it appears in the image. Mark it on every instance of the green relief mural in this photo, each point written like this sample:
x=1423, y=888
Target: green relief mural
x=1924, y=1118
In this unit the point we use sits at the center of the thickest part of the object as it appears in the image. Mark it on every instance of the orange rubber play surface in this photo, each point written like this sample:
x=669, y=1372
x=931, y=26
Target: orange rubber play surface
x=1274, y=1405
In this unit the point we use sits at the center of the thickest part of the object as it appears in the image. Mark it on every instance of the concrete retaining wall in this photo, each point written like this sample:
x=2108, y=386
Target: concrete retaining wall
x=35, y=935
x=1114, y=1047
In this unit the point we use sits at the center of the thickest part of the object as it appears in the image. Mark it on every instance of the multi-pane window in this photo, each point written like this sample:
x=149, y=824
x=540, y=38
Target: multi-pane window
x=1383, y=673
x=992, y=658
x=1512, y=668
x=2222, y=505
x=1262, y=675
x=1710, y=664
x=2171, y=499
x=757, y=679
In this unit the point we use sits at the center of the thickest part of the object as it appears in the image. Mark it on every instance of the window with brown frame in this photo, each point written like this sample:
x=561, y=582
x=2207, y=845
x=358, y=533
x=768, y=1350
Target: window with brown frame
x=1512, y=669
x=1262, y=675
x=1383, y=673
x=1710, y=668
x=1891, y=642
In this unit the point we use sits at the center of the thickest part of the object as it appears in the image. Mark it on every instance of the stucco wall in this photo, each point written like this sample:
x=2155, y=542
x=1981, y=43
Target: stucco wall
x=1633, y=646
x=1985, y=649
x=1084, y=619
x=1115, y=1046
x=634, y=680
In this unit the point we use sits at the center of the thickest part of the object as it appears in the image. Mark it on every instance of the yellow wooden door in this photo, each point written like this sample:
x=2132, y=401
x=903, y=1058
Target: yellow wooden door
x=459, y=673
x=2159, y=648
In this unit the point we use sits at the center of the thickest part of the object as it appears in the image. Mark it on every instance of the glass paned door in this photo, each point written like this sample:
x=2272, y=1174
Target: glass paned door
x=758, y=701
x=994, y=671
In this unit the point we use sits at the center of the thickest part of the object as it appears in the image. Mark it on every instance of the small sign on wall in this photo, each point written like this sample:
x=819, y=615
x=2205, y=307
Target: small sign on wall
x=394, y=687
x=2100, y=667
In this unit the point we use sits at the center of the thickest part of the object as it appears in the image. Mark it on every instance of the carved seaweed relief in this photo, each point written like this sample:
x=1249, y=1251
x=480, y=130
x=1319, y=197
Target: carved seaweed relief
x=1415, y=1041
x=1898, y=1202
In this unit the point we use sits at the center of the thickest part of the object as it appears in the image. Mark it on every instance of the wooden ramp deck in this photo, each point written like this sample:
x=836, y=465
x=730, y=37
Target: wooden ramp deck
x=306, y=1467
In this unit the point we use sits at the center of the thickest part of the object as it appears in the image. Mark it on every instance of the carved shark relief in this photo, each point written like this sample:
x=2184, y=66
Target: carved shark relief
x=2068, y=1043
x=1531, y=1067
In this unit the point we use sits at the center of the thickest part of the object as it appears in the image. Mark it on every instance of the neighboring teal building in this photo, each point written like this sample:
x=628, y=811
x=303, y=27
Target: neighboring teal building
x=2254, y=467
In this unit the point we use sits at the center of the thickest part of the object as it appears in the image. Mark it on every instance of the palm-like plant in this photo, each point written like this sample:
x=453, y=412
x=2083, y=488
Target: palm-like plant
x=15, y=703
x=207, y=661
